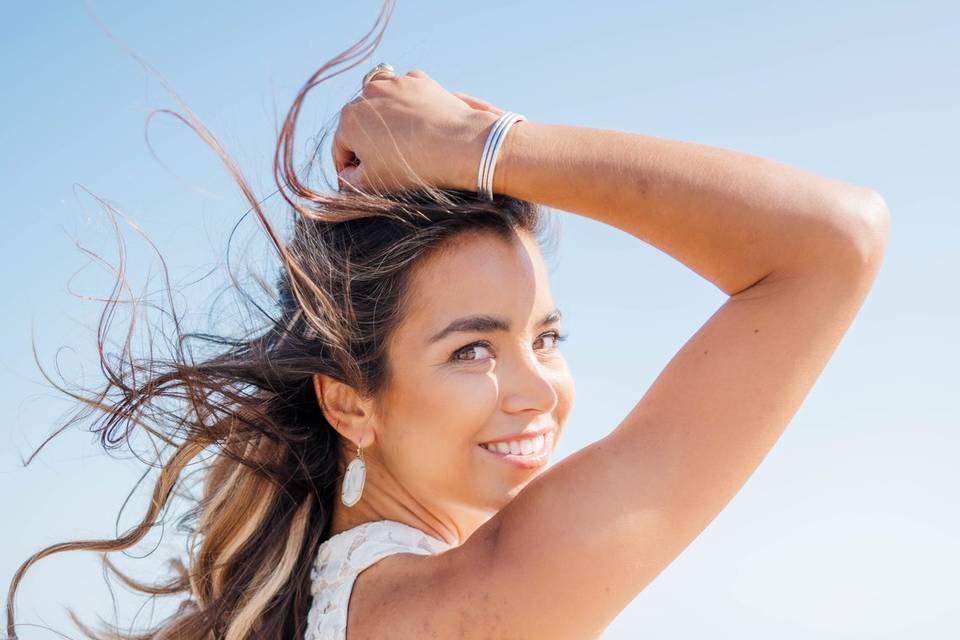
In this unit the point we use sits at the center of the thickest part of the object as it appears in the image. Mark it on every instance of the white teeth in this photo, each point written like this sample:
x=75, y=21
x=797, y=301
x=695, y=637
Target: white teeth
x=530, y=446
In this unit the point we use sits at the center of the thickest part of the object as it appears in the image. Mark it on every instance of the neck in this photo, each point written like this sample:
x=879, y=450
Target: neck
x=384, y=499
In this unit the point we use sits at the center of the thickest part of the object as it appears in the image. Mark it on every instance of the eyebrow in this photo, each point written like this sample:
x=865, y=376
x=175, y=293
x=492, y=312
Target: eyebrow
x=481, y=323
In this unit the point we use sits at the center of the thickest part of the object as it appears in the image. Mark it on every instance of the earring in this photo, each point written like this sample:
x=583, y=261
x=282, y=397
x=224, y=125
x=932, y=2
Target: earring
x=353, y=480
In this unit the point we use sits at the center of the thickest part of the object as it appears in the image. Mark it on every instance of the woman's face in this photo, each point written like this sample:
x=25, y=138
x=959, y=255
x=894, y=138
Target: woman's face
x=449, y=394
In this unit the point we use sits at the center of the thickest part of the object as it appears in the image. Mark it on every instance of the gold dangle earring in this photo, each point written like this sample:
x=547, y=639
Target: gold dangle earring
x=353, y=479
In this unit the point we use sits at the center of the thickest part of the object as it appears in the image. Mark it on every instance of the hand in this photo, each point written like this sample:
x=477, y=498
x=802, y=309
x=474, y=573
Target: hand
x=402, y=128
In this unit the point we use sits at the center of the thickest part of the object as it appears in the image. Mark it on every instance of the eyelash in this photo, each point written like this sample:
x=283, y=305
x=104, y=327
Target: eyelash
x=557, y=336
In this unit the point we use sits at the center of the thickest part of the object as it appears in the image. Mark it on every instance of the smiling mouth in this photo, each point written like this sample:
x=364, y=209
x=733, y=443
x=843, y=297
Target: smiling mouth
x=521, y=446
x=537, y=449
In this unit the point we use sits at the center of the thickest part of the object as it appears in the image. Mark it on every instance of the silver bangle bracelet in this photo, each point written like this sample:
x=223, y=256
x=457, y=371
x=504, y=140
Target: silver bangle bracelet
x=491, y=149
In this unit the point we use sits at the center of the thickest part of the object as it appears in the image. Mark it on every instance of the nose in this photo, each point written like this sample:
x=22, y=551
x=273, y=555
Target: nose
x=530, y=386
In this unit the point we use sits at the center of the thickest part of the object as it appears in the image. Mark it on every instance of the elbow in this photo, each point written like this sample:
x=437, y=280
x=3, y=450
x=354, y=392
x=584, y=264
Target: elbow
x=876, y=229
x=847, y=240
x=865, y=228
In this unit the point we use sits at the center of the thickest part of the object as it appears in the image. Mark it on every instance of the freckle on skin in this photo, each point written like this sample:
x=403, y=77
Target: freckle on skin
x=756, y=330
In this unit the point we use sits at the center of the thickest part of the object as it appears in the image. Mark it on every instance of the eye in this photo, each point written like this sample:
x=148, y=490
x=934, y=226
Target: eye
x=480, y=344
x=557, y=338
x=483, y=344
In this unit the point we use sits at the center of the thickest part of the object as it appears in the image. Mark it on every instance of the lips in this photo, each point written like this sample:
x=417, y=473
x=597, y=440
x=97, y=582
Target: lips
x=521, y=436
x=530, y=461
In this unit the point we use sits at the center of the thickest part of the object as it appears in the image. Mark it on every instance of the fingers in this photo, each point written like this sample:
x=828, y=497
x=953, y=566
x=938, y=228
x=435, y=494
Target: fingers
x=342, y=155
x=472, y=101
x=383, y=74
x=348, y=167
x=350, y=178
x=342, y=152
x=358, y=119
x=478, y=103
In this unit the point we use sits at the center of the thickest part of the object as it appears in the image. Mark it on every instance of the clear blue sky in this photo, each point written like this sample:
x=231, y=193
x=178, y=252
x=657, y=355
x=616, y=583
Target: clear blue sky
x=850, y=527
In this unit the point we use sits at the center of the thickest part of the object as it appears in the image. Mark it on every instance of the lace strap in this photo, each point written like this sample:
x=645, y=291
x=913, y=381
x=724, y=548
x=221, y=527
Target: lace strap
x=343, y=557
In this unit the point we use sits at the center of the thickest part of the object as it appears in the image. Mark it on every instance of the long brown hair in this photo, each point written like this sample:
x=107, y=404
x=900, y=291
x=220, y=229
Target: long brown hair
x=269, y=486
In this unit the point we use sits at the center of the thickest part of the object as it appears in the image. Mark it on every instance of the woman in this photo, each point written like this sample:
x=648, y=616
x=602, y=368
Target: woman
x=417, y=346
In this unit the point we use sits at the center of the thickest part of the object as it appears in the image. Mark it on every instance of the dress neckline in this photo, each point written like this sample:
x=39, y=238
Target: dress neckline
x=382, y=529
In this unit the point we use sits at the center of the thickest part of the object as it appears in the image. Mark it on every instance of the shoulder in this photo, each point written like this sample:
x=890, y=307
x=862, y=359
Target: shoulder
x=406, y=595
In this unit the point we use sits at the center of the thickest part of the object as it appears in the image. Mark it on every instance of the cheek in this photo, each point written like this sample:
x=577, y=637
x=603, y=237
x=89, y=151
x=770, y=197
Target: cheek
x=446, y=410
x=461, y=399
x=433, y=427
x=566, y=395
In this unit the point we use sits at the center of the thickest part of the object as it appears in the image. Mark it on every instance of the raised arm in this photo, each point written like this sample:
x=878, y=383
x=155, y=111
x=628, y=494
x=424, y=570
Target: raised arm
x=796, y=252
x=731, y=217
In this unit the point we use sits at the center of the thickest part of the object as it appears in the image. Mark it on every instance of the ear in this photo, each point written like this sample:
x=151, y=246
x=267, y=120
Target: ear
x=348, y=412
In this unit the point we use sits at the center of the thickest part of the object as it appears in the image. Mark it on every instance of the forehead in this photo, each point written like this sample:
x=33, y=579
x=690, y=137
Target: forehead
x=478, y=272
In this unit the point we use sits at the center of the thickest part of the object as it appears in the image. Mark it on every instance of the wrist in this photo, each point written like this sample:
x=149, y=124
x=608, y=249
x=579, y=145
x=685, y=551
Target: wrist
x=510, y=150
x=477, y=129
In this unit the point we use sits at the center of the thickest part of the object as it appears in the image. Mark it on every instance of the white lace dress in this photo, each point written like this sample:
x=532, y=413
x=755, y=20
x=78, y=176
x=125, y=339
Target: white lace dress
x=342, y=557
